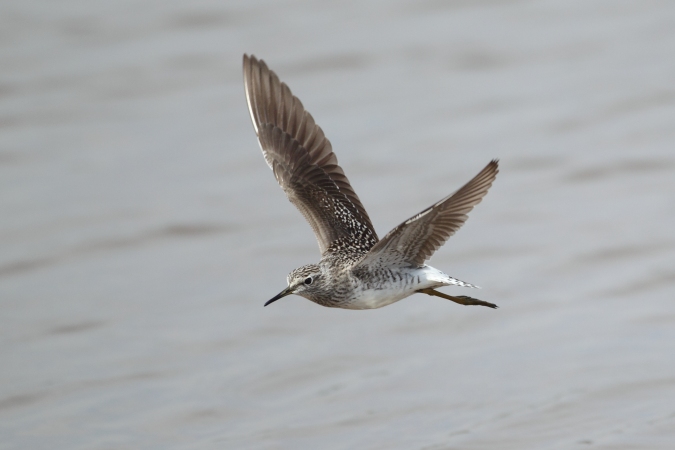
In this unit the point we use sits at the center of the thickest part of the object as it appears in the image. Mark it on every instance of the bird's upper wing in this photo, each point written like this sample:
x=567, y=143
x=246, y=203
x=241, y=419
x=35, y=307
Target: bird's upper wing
x=416, y=239
x=304, y=163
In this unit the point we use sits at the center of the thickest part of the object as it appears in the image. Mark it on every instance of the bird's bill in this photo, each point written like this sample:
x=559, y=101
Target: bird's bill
x=284, y=293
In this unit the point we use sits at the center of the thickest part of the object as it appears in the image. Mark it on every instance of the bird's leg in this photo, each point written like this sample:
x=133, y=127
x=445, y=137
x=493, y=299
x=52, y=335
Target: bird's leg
x=461, y=299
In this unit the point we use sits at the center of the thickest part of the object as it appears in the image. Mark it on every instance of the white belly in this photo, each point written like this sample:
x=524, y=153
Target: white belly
x=377, y=298
x=422, y=278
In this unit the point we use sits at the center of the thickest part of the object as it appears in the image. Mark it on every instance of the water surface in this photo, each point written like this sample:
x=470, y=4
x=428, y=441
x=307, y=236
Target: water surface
x=141, y=231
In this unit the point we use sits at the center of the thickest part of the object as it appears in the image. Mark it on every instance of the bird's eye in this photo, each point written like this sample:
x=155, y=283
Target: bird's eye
x=308, y=280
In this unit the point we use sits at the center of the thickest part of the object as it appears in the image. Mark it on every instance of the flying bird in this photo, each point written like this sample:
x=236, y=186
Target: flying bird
x=357, y=270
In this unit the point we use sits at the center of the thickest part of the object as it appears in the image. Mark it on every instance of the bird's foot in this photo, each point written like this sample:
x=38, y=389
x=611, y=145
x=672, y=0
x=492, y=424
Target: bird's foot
x=461, y=299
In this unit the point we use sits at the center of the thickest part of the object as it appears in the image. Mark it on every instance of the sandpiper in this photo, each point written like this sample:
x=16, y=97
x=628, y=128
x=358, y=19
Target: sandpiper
x=356, y=270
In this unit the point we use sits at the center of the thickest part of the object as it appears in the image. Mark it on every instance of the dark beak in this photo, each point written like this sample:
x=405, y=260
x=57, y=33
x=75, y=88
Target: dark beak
x=281, y=294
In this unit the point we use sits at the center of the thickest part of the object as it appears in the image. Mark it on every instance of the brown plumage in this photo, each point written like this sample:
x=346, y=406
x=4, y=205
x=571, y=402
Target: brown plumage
x=303, y=160
x=356, y=271
x=416, y=239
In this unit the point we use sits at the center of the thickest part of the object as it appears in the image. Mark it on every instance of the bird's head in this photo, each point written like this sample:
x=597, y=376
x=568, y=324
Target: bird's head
x=304, y=281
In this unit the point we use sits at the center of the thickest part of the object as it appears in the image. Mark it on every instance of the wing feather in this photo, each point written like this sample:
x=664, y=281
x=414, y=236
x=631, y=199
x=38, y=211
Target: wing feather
x=415, y=240
x=303, y=162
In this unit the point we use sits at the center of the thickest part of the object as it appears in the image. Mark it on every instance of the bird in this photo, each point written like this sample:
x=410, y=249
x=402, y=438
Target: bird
x=357, y=270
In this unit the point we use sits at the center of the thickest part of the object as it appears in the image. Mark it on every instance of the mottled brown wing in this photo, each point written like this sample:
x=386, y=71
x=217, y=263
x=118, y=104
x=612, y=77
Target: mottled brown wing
x=416, y=239
x=304, y=163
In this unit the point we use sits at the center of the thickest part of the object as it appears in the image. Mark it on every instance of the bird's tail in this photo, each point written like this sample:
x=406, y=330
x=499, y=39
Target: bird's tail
x=433, y=274
x=456, y=282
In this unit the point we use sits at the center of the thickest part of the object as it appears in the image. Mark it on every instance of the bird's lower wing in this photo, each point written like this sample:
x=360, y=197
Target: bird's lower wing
x=416, y=239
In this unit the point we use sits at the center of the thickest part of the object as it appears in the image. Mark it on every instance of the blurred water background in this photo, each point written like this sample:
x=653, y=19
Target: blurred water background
x=141, y=230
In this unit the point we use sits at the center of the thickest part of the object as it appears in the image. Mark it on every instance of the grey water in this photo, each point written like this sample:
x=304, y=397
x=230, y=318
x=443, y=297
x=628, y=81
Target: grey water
x=141, y=230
